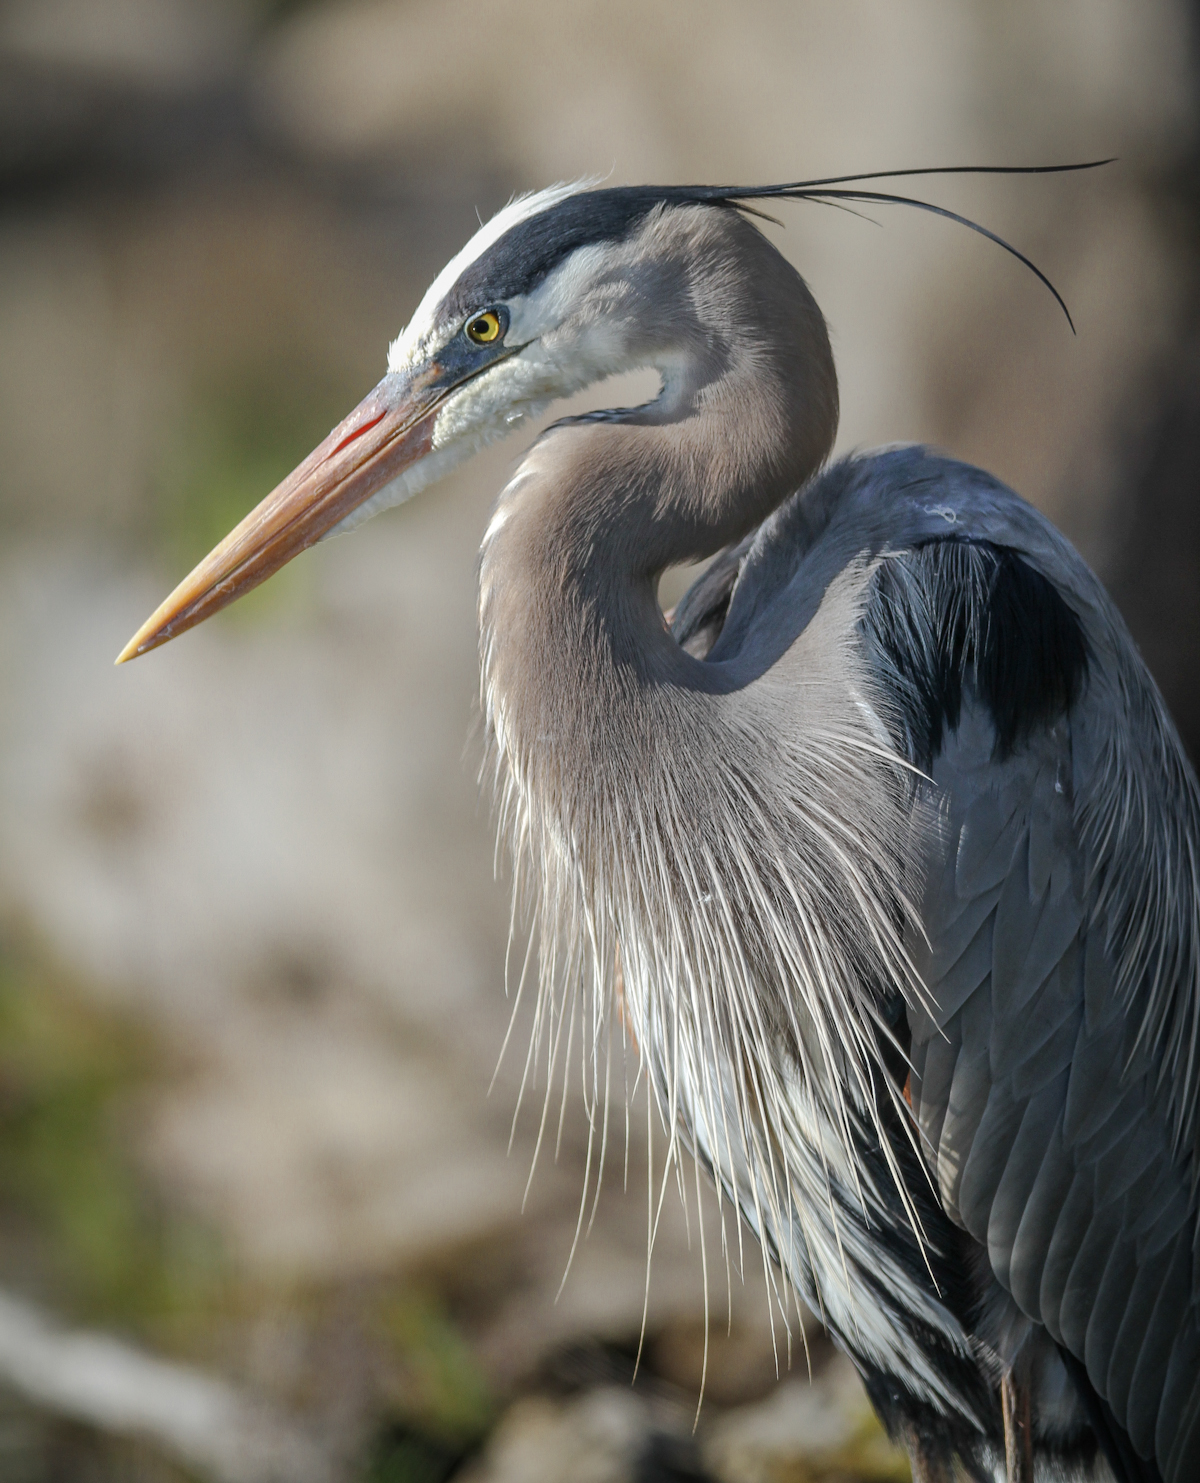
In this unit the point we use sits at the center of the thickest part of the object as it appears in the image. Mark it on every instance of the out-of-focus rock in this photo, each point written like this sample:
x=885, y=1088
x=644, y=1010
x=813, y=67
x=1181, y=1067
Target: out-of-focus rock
x=1159, y=529
x=1049, y=412
x=735, y=1362
x=106, y=1383
x=159, y=43
x=806, y=1430
x=609, y=1435
x=317, y=931
x=654, y=89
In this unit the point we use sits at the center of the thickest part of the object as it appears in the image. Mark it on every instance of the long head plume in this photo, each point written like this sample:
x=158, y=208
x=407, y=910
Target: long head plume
x=843, y=190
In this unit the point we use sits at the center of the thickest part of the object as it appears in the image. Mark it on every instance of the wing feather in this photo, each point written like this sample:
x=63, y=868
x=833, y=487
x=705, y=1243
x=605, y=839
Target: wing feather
x=959, y=927
x=1019, y=1039
x=991, y=1150
x=1140, y=1351
x=970, y=1090
x=1091, y=1257
x=934, y=1061
x=1043, y=1207
x=1065, y=1239
x=1025, y=1160
x=1046, y=1060
x=1051, y=1149
x=986, y=843
x=1092, y=1091
x=1106, y=1305
x=1139, y=1146
x=1161, y=1215
x=963, y=975
x=1177, y=1426
x=1030, y=941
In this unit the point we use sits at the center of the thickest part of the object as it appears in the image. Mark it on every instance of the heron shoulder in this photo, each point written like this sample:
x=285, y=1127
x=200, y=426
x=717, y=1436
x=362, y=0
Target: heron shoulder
x=973, y=587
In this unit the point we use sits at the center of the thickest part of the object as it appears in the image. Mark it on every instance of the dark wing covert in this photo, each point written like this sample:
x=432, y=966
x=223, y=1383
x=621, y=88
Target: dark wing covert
x=1040, y=1111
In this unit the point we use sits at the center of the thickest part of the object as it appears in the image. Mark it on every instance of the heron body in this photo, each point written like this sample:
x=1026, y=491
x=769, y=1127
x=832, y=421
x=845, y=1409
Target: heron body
x=890, y=831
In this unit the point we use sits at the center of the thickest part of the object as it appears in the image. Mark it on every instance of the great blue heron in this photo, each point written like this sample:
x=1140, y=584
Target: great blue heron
x=891, y=831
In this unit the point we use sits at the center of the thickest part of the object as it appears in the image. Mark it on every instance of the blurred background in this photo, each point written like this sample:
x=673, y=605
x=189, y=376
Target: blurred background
x=259, y=1217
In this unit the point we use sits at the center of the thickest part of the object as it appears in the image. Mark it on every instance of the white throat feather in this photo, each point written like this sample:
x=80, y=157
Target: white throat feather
x=716, y=896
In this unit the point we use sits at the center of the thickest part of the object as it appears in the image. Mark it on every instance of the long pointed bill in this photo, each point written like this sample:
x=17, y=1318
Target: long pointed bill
x=386, y=433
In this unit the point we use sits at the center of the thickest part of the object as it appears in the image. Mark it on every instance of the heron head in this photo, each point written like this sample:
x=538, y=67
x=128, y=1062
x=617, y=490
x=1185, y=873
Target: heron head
x=558, y=290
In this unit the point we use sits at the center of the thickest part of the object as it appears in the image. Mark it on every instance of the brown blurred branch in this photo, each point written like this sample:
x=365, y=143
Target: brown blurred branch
x=202, y=1421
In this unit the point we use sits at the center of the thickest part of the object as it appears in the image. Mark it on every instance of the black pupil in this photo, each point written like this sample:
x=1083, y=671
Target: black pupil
x=481, y=328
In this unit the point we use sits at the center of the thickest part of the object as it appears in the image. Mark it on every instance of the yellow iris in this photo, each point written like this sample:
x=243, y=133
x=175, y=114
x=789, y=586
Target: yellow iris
x=484, y=328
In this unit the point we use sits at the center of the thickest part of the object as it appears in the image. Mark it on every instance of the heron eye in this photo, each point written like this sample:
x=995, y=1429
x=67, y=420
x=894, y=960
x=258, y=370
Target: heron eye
x=484, y=328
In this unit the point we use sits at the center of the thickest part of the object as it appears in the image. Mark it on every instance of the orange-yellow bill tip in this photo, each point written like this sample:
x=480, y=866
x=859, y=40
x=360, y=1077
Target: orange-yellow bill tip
x=138, y=644
x=386, y=433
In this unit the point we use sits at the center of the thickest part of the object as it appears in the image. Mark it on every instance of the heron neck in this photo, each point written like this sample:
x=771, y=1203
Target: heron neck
x=572, y=636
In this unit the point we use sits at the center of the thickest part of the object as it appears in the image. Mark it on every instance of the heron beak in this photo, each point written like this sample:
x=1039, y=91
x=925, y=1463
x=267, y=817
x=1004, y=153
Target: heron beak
x=387, y=432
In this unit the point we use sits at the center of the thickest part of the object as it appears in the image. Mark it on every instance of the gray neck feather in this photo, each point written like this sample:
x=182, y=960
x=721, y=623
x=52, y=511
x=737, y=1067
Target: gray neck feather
x=737, y=847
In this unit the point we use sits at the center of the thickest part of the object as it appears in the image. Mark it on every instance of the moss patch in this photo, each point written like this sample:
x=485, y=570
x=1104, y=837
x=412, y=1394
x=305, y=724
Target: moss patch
x=441, y=1389
x=75, y=1214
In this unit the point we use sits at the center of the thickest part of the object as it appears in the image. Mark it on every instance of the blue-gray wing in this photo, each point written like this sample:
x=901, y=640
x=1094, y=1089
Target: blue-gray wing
x=1054, y=1072
x=1055, y=1077
x=1040, y=1112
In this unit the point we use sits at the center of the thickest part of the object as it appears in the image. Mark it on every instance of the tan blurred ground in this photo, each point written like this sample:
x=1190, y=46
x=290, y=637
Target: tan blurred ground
x=264, y=845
